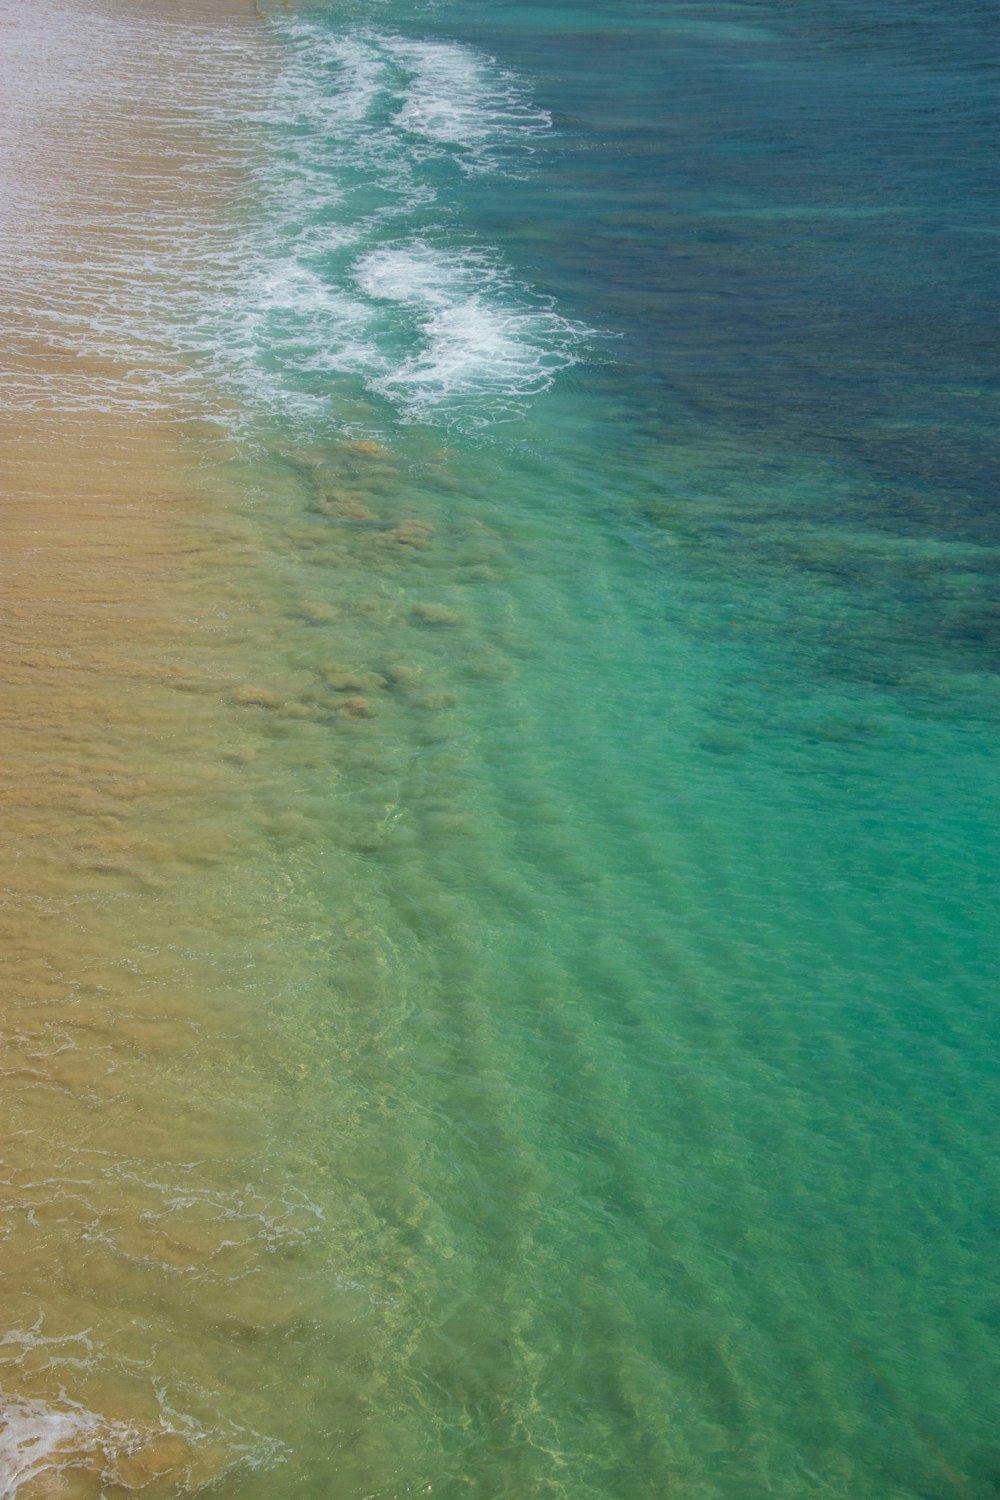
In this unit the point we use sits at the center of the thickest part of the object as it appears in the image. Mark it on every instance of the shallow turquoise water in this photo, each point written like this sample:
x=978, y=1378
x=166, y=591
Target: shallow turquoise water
x=611, y=395
x=692, y=899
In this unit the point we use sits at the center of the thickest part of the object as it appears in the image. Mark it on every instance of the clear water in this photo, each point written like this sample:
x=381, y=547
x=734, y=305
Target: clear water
x=600, y=587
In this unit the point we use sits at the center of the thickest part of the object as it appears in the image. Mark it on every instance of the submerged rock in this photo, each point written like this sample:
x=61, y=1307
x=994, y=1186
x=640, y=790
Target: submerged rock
x=435, y=614
x=367, y=448
x=251, y=696
x=318, y=614
x=411, y=533
x=357, y=708
x=343, y=507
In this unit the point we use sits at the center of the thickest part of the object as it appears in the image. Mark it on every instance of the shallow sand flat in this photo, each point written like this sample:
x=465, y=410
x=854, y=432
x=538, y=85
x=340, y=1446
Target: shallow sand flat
x=173, y=1289
x=122, y=1137
x=133, y=1199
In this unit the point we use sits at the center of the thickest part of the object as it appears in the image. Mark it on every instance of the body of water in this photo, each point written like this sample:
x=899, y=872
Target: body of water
x=554, y=931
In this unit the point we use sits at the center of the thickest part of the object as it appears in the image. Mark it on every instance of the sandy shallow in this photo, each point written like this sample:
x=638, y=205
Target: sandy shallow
x=129, y=1192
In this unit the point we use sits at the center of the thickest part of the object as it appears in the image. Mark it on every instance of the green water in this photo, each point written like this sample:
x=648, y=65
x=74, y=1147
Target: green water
x=675, y=841
x=669, y=1107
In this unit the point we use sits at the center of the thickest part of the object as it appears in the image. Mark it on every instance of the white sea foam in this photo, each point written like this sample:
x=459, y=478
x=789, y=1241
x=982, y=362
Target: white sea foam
x=39, y=1441
x=461, y=98
x=366, y=287
x=329, y=78
x=42, y=1441
x=348, y=145
x=483, y=343
x=420, y=274
x=35, y=1440
x=447, y=93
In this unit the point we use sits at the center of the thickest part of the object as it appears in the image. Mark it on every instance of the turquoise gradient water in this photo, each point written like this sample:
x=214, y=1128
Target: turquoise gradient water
x=676, y=324
x=610, y=389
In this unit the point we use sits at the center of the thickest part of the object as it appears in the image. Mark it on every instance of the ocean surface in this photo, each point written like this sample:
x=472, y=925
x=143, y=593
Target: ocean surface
x=548, y=952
